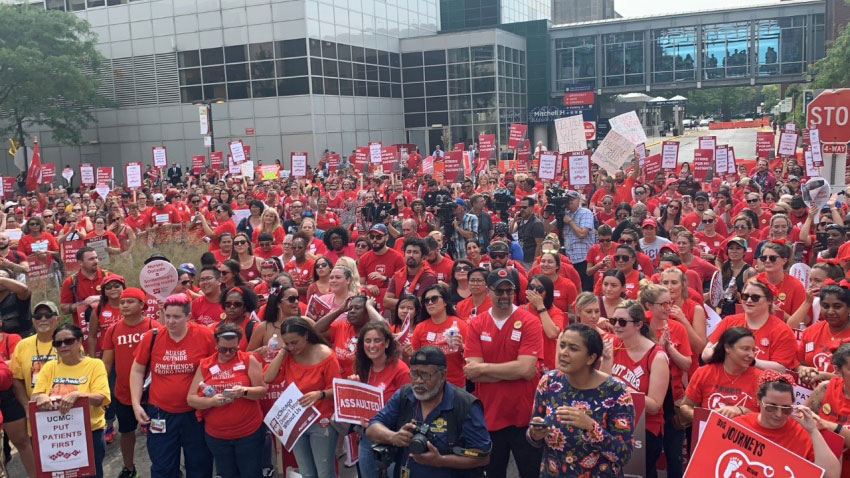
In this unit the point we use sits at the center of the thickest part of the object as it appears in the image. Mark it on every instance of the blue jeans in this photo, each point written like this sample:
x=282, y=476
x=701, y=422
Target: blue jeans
x=314, y=452
x=99, y=448
x=182, y=432
x=239, y=458
x=367, y=467
x=110, y=409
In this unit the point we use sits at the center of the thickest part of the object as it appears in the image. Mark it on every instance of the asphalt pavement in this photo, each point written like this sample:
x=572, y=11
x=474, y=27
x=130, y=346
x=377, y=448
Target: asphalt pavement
x=743, y=140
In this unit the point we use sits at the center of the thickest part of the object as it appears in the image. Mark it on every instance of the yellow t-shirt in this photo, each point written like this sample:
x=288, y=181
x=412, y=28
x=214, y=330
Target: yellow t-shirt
x=29, y=357
x=88, y=376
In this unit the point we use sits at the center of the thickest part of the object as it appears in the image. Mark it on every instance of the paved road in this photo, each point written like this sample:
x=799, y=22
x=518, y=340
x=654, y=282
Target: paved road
x=743, y=140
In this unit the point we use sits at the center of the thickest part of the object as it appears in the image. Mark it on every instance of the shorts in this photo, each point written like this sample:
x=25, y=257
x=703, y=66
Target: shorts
x=126, y=418
x=10, y=407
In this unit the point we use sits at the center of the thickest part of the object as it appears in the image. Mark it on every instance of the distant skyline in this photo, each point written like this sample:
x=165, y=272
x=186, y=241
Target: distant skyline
x=641, y=8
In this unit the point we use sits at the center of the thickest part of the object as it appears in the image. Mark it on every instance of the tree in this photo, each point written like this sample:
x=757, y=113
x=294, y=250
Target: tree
x=47, y=60
x=833, y=70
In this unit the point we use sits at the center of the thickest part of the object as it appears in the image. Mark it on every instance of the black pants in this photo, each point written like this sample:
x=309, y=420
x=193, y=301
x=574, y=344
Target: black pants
x=512, y=440
x=654, y=446
x=674, y=440
x=586, y=281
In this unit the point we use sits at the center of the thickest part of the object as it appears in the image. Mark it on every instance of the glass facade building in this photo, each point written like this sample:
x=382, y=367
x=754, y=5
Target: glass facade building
x=458, y=15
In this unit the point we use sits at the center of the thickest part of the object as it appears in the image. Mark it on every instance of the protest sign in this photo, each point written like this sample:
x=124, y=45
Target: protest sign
x=69, y=248
x=629, y=126
x=578, y=164
x=811, y=169
x=316, y=307
x=67, y=173
x=787, y=143
x=428, y=165
x=48, y=172
x=299, y=164
x=636, y=466
x=669, y=155
x=640, y=153
x=816, y=192
x=356, y=401
x=403, y=336
x=708, y=142
x=764, y=144
x=333, y=162
x=388, y=158
x=160, y=156
x=99, y=244
x=452, y=165
x=729, y=449
x=721, y=159
x=287, y=419
x=702, y=163
x=232, y=168
x=133, y=174
x=817, y=153
x=87, y=174
x=547, y=166
x=237, y=150
x=158, y=278
x=104, y=174
x=730, y=160
x=459, y=147
x=523, y=151
x=375, y=153
x=62, y=443
x=516, y=134
x=246, y=169
x=269, y=172
x=652, y=165
x=216, y=160
x=613, y=152
x=198, y=163
x=39, y=268
x=361, y=157
x=486, y=146
x=570, y=133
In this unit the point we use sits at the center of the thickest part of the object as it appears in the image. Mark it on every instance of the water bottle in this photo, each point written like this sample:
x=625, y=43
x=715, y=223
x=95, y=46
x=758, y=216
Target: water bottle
x=728, y=295
x=206, y=390
x=274, y=344
x=450, y=333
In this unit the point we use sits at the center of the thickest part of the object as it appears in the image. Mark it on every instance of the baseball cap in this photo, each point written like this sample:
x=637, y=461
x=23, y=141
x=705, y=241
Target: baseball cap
x=670, y=247
x=50, y=305
x=186, y=267
x=571, y=194
x=797, y=202
x=499, y=276
x=460, y=201
x=793, y=178
x=158, y=197
x=649, y=222
x=134, y=293
x=379, y=228
x=114, y=277
x=428, y=355
x=498, y=246
x=500, y=228
x=701, y=195
x=740, y=241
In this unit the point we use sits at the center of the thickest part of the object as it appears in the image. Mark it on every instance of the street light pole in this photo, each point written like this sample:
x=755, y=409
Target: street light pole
x=212, y=134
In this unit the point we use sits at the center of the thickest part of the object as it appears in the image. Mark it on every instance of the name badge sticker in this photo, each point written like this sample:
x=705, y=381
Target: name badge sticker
x=516, y=335
x=486, y=338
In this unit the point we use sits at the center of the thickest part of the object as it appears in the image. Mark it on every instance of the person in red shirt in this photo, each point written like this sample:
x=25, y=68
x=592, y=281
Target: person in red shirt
x=269, y=224
x=821, y=339
x=265, y=248
x=104, y=314
x=162, y=219
x=119, y=344
x=479, y=300
x=708, y=240
x=325, y=218
x=790, y=293
x=540, y=296
x=440, y=327
x=239, y=303
x=830, y=400
x=172, y=353
x=206, y=309
x=440, y=264
x=37, y=241
x=629, y=237
x=625, y=261
x=754, y=204
x=565, y=292
x=502, y=349
x=379, y=264
x=301, y=269
x=82, y=287
x=600, y=255
x=223, y=214
x=135, y=219
x=229, y=403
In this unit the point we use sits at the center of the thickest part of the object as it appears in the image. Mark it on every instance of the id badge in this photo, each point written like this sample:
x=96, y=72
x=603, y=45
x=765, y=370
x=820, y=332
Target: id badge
x=157, y=425
x=405, y=472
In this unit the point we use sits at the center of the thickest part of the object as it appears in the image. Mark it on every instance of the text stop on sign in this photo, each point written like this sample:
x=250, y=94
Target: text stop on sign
x=830, y=113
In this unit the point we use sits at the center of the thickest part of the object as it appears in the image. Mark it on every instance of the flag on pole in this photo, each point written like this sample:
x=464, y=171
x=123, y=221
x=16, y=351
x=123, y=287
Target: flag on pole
x=34, y=172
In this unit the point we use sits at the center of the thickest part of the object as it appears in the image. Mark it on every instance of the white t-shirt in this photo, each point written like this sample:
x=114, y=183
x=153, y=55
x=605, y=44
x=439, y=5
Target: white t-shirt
x=651, y=248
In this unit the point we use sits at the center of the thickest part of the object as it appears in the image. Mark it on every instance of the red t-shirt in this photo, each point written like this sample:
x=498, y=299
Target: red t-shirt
x=790, y=295
x=343, y=339
x=635, y=374
x=123, y=339
x=506, y=402
x=429, y=333
x=309, y=378
x=550, y=346
x=302, y=274
x=679, y=339
x=7, y=345
x=565, y=294
x=791, y=436
x=242, y=416
x=173, y=364
x=385, y=264
x=205, y=312
x=85, y=287
x=709, y=244
x=274, y=251
x=712, y=388
x=46, y=242
x=226, y=226
x=136, y=222
x=774, y=340
x=327, y=220
x=466, y=307
x=391, y=378
x=277, y=237
x=815, y=344
x=632, y=288
x=108, y=315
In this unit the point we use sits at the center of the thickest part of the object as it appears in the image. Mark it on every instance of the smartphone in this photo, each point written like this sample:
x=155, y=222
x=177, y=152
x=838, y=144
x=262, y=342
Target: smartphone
x=538, y=424
x=821, y=236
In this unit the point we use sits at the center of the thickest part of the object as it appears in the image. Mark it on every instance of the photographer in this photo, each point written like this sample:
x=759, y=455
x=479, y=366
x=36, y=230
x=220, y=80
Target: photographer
x=529, y=229
x=434, y=421
x=464, y=227
x=579, y=236
x=485, y=221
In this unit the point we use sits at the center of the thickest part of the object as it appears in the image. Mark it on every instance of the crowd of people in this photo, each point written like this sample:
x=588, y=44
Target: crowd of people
x=502, y=316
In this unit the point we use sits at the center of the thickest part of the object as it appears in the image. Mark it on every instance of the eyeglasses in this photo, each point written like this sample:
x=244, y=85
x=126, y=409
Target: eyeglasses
x=185, y=282
x=667, y=304
x=196, y=201
x=498, y=255
x=240, y=243
x=773, y=408
x=375, y=237
x=622, y=258
x=322, y=265
x=463, y=269
x=741, y=227
x=620, y=322
x=291, y=299
x=224, y=273
x=43, y=315
x=420, y=375
x=627, y=241
x=752, y=201
x=708, y=221
x=66, y=342
x=227, y=350
x=476, y=281
x=606, y=241
x=536, y=288
x=751, y=297
x=771, y=258
x=500, y=292
x=640, y=192
x=235, y=304
x=206, y=279
x=431, y=300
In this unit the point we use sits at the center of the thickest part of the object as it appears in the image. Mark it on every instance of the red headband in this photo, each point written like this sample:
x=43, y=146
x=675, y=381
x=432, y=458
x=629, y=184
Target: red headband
x=774, y=376
x=681, y=267
x=844, y=284
x=781, y=242
x=237, y=290
x=832, y=262
x=762, y=279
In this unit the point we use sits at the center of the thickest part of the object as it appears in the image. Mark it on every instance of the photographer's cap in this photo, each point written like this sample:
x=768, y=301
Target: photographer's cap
x=50, y=306
x=428, y=355
x=572, y=194
x=499, y=276
x=379, y=228
x=499, y=246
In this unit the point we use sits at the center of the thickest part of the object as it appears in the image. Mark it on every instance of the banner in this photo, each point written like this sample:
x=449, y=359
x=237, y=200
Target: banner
x=728, y=449
x=375, y=153
x=361, y=158
x=669, y=155
x=160, y=156
x=629, y=126
x=158, y=278
x=69, y=250
x=356, y=401
x=764, y=144
x=333, y=162
x=817, y=153
x=614, y=150
x=87, y=174
x=133, y=174
x=204, y=119
x=702, y=163
x=269, y=172
x=721, y=160
x=237, y=150
x=652, y=165
x=516, y=134
x=388, y=158
x=452, y=161
x=216, y=160
x=287, y=419
x=48, y=172
x=578, y=164
x=546, y=167
x=299, y=164
x=62, y=442
x=198, y=163
x=571, y=135
x=787, y=143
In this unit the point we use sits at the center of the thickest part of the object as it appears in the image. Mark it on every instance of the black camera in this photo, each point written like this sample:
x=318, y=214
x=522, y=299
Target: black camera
x=556, y=201
x=446, y=212
x=502, y=201
x=421, y=435
x=384, y=455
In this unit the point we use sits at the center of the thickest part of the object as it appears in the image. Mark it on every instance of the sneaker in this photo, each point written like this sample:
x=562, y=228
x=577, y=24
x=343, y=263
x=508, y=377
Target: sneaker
x=109, y=434
x=125, y=473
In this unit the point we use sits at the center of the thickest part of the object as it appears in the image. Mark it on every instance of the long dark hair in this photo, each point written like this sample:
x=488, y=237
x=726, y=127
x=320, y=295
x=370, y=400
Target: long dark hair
x=453, y=281
x=276, y=294
x=362, y=363
x=444, y=293
x=549, y=287
x=417, y=314
x=249, y=298
x=729, y=337
x=235, y=271
x=321, y=258
x=298, y=325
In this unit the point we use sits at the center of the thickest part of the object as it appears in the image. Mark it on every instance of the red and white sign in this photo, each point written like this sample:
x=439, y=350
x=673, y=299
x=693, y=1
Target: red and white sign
x=702, y=163
x=48, y=172
x=361, y=157
x=356, y=401
x=299, y=164
x=62, y=442
x=87, y=174
x=8, y=183
x=160, y=156
x=133, y=173
x=287, y=419
x=198, y=163
x=830, y=113
x=546, y=167
x=69, y=253
x=388, y=158
x=216, y=160
x=516, y=134
x=721, y=160
x=834, y=149
x=817, y=151
x=652, y=165
x=237, y=150
x=590, y=130
x=104, y=177
x=453, y=161
x=728, y=449
x=486, y=146
x=764, y=143
x=578, y=164
x=158, y=278
x=579, y=98
x=333, y=162
x=669, y=155
x=249, y=131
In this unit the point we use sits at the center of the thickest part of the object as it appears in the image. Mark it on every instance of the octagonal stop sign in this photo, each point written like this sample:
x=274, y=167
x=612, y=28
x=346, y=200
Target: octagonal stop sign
x=830, y=114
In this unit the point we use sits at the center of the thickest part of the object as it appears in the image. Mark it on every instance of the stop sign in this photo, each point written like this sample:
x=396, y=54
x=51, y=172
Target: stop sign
x=589, y=130
x=830, y=114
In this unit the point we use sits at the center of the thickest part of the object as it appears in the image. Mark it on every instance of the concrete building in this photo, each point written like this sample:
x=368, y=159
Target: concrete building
x=574, y=11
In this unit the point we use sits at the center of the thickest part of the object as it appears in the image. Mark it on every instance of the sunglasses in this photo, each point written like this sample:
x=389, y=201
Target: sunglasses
x=622, y=258
x=375, y=237
x=606, y=241
x=227, y=350
x=431, y=300
x=500, y=292
x=59, y=343
x=708, y=221
x=751, y=297
x=224, y=273
x=498, y=255
x=627, y=241
x=240, y=243
x=185, y=282
x=536, y=288
x=771, y=408
x=752, y=201
x=322, y=265
x=620, y=322
x=291, y=299
x=42, y=315
x=764, y=258
x=667, y=304
x=235, y=304
x=463, y=269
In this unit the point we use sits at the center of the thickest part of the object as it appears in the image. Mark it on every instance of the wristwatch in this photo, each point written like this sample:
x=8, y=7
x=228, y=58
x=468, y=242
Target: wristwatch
x=838, y=428
x=540, y=311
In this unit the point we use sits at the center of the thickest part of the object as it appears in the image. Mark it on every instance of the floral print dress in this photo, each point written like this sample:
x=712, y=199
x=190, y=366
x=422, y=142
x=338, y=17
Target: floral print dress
x=572, y=452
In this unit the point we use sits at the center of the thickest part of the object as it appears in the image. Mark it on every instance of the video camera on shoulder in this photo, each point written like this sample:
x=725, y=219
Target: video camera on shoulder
x=502, y=201
x=556, y=201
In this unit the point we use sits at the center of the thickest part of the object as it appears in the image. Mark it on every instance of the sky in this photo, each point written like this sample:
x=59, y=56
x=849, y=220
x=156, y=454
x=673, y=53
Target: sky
x=639, y=8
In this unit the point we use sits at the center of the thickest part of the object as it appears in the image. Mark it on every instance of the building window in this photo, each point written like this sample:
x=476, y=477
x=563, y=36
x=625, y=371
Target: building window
x=780, y=46
x=674, y=51
x=624, y=63
x=575, y=61
x=725, y=48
